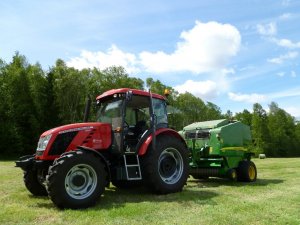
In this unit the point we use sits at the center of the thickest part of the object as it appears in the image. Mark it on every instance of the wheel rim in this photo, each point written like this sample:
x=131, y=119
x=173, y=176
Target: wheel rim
x=170, y=166
x=251, y=172
x=81, y=181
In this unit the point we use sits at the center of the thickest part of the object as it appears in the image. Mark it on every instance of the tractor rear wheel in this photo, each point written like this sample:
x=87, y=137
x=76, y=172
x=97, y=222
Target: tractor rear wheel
x=32, y=183
x=165, y=169
x=76, y=180
x=246, y=171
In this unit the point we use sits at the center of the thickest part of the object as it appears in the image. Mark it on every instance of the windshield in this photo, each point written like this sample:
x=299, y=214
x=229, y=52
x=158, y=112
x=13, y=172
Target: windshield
x=111, y=112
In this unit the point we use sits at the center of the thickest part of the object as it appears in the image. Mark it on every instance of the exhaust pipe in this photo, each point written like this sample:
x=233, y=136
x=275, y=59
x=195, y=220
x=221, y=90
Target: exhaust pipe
x=87, y=109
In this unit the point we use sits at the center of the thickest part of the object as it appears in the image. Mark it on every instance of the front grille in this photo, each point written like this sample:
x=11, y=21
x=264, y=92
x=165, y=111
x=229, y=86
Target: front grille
x=201, y=134
x=62, y=142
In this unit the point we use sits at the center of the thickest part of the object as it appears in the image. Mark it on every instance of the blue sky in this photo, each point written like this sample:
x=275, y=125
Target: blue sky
x=232, y=53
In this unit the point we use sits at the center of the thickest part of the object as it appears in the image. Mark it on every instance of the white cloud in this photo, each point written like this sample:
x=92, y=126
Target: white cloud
x=286, y=43
x=282, y=58
x=286, y=93
x=281, y=74
x=207, y=47
x=204, y=48
x=251, y=98
x=286, y=16
x=204, y=89
x=269, y=29
x=227, y=71
x=293, y=74
x=113, y=57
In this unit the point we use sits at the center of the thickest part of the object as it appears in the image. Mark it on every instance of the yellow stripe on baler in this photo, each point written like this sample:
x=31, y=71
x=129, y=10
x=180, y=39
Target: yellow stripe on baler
x=234, y=149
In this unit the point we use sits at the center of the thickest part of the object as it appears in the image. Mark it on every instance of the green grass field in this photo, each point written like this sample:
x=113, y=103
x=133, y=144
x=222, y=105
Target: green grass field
x=273, y=199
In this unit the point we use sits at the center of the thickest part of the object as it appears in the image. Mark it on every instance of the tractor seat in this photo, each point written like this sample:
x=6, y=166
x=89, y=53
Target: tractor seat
x=140, y=128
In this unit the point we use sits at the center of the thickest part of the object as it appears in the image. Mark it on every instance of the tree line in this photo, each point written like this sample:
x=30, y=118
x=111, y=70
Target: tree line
x=34, y=100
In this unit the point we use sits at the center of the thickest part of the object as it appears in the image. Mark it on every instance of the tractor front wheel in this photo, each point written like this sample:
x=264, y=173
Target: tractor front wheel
x=165, y=169
x=32, y=183
x=76, y=180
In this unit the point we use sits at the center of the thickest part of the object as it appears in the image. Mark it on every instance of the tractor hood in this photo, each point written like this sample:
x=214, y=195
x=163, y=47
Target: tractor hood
x=56, y=141
x=71, y=128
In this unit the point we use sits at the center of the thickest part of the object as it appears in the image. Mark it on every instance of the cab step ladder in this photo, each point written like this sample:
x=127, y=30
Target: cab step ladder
x=132, y=166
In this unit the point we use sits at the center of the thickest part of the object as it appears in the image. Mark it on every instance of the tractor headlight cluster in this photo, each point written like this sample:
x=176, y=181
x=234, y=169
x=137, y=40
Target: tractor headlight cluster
x=43, y=142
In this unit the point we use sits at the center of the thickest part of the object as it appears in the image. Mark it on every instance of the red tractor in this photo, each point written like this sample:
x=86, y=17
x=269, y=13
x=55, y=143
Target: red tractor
x=130, y=144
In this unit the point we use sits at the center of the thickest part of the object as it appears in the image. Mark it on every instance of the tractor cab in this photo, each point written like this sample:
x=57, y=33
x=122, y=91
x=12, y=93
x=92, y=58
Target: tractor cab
x=133, y=115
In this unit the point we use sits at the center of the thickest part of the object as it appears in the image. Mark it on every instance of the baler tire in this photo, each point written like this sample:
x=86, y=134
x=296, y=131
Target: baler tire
x=76, y=180
x=232, y=174
x=126, y=184
x=32, y=183
x=246, y=171
x=159, y=174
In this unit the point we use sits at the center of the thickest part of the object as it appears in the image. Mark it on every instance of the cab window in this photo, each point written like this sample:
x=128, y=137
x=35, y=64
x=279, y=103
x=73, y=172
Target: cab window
x=160, y=111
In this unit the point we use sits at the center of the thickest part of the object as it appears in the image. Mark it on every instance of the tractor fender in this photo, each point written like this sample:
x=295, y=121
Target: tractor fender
x=163, y=131
x=103, y=159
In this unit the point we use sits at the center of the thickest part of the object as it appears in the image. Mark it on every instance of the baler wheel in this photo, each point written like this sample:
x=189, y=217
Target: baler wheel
x=165, y=169
x=76, y=180
x=232, y=174
x=247, y=171
x=33, y=185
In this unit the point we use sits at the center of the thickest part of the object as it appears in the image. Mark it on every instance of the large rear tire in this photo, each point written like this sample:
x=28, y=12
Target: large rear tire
x=32, y=183
x=165, y=169
x=76, y=180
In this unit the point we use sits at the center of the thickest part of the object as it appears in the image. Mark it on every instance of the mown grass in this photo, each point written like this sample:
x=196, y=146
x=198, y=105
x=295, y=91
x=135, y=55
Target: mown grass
x=273, y=199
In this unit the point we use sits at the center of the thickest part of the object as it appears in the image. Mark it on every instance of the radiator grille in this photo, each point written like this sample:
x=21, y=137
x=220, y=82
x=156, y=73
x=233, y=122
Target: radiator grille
x=62, y=142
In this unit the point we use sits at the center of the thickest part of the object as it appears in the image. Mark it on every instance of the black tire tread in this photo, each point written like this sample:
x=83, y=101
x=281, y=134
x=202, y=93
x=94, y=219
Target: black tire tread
x=63, y=200
x=32, y=184
x=242, y=171
x=149, y=163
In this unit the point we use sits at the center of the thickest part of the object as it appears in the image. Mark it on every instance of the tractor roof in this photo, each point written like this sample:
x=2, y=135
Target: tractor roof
x=124, y=90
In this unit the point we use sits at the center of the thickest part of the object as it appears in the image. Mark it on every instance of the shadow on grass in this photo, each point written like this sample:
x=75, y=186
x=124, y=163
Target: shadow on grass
x=115, y=198
x=216, y=182
x=193, y=193
x=118, y=198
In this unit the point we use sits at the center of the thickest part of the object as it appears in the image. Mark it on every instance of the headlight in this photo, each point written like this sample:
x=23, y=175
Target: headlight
x=43, y=142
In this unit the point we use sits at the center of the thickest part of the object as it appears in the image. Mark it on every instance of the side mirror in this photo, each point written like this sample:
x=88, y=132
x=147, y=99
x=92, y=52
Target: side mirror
x=128, y=96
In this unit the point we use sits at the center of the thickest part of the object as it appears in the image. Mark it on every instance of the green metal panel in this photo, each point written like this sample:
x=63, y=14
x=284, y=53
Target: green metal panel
x=235, y=134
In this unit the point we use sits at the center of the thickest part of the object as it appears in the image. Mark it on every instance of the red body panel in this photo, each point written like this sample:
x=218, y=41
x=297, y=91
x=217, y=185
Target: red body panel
x=124, y=90
x=93, y=135
x=168, y=131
